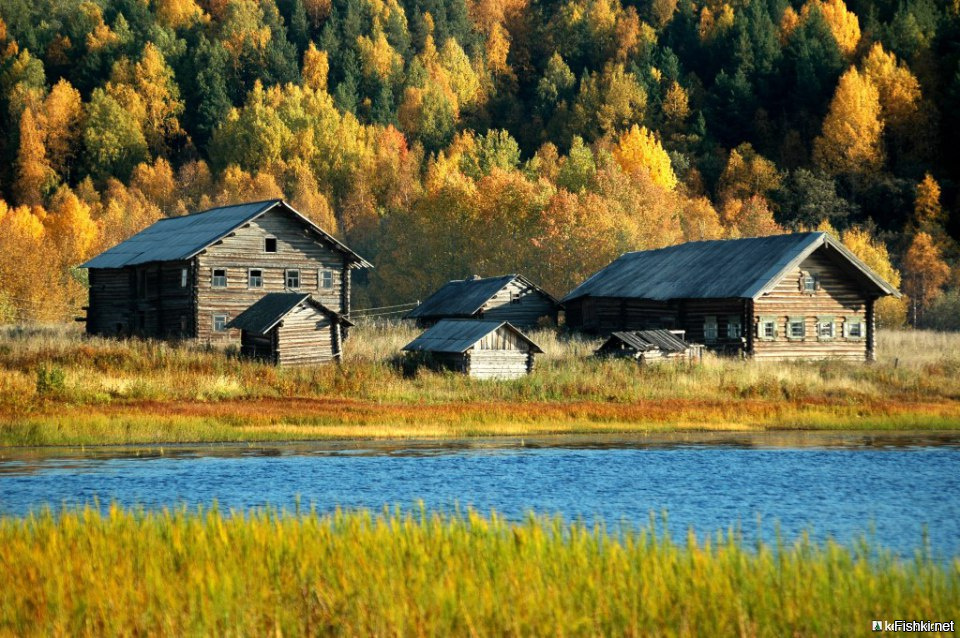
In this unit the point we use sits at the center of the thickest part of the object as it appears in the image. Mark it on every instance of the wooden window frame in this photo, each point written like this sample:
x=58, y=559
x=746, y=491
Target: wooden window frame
x=734, y=320
x=266, y=245
x=213, y=323
x=761, y=328
x=826, y=321
x=716, y=329
x=286, y=279
x=250, y=272
x=802, y=321
x=324, y=275
x=184, y=277
x=849, y=322
x=811, y=277
x=213, y=277
x=514, y=297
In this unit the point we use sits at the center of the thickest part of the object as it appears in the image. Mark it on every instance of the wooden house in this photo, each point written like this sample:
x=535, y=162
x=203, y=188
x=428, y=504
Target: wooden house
x=188, y=277
x=510, y=298
x=289, y=328
x=648, y=346
x=801, y=295
x=485, y=349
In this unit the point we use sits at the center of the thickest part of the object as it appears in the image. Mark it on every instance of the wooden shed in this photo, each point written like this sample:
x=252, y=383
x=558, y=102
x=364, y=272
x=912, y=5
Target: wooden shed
x=480, y=348
x=290, y=329
x=512, y=298
x=647, y=346
x=796, y=296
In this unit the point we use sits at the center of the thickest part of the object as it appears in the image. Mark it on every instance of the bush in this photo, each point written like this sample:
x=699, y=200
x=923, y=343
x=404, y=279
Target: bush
x=944, y=312
x=50, y=380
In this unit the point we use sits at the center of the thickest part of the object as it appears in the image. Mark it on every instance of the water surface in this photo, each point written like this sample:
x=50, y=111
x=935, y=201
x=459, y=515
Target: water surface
x=890, y=487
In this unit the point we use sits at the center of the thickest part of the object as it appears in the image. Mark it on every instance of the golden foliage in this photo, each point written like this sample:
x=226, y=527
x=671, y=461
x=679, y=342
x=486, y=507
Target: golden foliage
x=746, y=174
x=890, y=311
x=751, y=217
x=676, y=105
x=62, y=120
x=316, y=66
x=639, y=150
x=925, y=271
x=898, y=88
x=35, y=177
x=851, y=141
x=842, y=22
x=176, y=13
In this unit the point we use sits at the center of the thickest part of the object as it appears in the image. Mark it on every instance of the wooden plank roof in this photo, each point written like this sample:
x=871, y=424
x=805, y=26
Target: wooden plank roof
x=644, y=340
x=719, y=269
x=270, y=310
x=459, y=335
x=464, y=297
x=179, y=238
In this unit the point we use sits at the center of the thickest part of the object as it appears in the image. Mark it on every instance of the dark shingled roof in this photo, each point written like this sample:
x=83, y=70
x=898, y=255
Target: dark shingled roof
x=464, y=297
x=179, y=238
x=720, y=269
x=459, y=335
x=643, y=340
x=266, y=313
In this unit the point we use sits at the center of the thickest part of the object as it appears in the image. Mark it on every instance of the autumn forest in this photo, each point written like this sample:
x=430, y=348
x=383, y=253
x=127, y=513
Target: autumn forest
x=443, y=138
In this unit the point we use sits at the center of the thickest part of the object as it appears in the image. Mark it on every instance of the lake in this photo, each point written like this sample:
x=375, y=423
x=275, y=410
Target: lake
x=889, y=487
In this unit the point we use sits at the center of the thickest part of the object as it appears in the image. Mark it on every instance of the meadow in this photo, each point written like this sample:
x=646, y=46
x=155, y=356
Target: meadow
x=60, y=387
x=204, y=572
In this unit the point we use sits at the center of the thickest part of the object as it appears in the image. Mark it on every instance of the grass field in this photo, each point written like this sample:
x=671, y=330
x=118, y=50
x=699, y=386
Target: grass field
x=205, y=573
x=59, y=387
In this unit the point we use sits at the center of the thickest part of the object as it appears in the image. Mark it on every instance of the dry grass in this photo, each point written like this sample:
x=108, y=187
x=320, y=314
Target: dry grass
x=83, y=573
x=57, y=386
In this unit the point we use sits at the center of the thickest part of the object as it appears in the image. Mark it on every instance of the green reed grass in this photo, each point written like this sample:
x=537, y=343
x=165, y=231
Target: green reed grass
x=201, y=572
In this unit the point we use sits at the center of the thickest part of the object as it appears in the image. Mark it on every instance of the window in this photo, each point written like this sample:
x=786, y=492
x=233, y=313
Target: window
x=809, y=283
x=515, y=297
x=255, y=278
x=325, y=279
x=709, y=329
x=270, y=245
x=797, y=328
x=853, y=327
x=733, y=327
x=219, y=323
x=219, y=279
x=767, y=329
x=825, y=328
x=183, y=277
x=293, y=279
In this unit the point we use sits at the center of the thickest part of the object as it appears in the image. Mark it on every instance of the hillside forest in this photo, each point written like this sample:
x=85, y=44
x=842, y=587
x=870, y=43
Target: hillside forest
x=443, y=138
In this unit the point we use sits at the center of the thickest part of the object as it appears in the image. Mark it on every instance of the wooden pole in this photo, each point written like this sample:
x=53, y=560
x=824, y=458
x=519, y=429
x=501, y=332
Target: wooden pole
x=871, y=331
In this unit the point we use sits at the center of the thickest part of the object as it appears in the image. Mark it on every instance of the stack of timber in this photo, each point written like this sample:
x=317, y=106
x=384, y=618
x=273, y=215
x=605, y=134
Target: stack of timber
x=483, y=349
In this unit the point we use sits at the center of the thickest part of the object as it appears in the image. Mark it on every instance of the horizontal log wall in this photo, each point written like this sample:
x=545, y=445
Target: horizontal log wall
x=603, y=315
x=244, y=250
x=110, y=298
x=499, y=364
x=522, y=305
x=306, y=337
x=838, y=296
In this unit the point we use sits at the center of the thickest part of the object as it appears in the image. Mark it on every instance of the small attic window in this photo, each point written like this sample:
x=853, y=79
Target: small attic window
x=515, y=297
x=809, y=283
x=270, y=245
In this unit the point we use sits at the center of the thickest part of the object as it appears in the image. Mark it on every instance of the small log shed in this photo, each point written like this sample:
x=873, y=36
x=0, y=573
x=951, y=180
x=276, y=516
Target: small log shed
x=290, y=329
x=646, y=346
x=483, y=349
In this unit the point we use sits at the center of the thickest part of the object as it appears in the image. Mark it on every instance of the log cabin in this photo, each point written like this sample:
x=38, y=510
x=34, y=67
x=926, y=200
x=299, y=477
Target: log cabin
x=649, y=346
x=188, y=277
x=289, y=328
x=485, y=349
x=510, y=298
x=795, y=296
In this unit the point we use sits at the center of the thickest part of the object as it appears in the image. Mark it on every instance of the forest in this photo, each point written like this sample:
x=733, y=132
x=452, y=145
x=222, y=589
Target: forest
x=444, y=138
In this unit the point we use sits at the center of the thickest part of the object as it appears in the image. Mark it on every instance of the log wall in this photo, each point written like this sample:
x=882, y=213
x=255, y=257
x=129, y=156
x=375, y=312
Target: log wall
x=110, y=297
x=244, y=250
x=499, y=364
x=522, y=305
x=306, y=336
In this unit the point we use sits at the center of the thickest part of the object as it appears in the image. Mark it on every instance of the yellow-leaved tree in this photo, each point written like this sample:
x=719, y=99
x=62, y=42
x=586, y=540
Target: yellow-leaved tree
x=639, y=150
x=850, y=143
x=843, y=23
x=898, y=88
x=890, y=311
x=926, y=273
x=35, y=177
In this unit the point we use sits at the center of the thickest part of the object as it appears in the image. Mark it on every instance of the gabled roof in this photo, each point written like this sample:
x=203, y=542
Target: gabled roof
x=464, y=297
x=459, y=335
x=644, y=340
x=266, y=313
x=179, y=238
x=719, y=269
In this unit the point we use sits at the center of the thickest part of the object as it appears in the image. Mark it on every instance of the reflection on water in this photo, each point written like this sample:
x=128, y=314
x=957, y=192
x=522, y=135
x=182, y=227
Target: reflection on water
x=841, y=485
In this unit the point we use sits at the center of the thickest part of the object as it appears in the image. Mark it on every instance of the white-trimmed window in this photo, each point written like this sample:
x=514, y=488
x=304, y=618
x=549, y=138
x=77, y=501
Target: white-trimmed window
x=325, y=279
x=183, y=277
x=710, y=329
x=218, y=278
x=853, y=328
x=809, y=283
x=826, y=328
x=254, y=278
x=734, y=327
x=796, y=328
x=269, y=244
x=220, y=322
x=767, y=329
x=292, y=278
